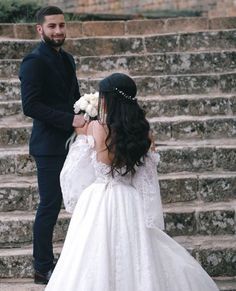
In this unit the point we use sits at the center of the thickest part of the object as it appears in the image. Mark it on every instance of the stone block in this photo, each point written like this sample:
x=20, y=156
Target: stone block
x=14, y=136
x=222, y=23
x=207, y=40
x=18, y=198
x=7, y=165
x=213, y=189
x=137, y=27
x=9, y=90
x=25, y=165
x=25, y=31
x=162, y=43
x=216, y=222
x=17, y=230
x=178, y=189
x=10, y=108
x=16, y=49
x=104, y=46
x=7, y=30
x=182, y=159
x=183, y=223
x=227, y=83
x=225, y=158
x=161, y=130
x=218, y=262
x=186, y=24
x=187, y=106
x=74, y=29
x=102, y=28
x=9, y=68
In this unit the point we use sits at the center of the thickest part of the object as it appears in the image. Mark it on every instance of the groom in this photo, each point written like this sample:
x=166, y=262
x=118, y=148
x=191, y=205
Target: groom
x=49, y=89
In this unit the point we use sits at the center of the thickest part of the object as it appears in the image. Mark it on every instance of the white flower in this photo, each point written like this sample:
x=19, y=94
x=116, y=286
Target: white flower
x=87, y=103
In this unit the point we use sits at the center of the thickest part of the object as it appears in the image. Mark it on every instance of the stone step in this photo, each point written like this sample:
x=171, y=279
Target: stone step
x=148, y=64
x=21, y=193
x=131, y=27
x=14, y=131
x=193, y=218
x=101, y=46
x=224, y=284
x=215, y=253
x=160, y=106
x=194, y=105
x=149, y=85
x=181, y=156
x=16, y=228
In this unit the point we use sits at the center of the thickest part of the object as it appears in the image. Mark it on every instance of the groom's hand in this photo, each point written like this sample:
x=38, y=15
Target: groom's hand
x=78, y=121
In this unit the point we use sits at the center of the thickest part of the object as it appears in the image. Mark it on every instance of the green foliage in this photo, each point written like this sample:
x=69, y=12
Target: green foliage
x=18, y=10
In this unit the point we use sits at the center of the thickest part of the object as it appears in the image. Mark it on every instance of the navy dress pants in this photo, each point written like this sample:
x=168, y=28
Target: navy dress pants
x=48, y=173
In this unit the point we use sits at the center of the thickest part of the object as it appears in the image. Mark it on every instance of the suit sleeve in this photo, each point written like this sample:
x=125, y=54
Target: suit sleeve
x=32, y=82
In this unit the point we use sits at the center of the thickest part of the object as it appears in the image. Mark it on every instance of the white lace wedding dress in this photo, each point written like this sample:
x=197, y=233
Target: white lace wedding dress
x=115, y=240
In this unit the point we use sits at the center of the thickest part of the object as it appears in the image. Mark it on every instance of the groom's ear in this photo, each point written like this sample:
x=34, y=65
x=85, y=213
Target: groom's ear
x=39, y=29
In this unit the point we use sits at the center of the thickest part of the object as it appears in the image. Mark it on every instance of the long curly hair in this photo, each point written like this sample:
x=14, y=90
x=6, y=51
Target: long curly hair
x=128, y=138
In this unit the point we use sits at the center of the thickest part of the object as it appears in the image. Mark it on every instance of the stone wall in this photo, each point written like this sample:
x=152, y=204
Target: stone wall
x=212, y=8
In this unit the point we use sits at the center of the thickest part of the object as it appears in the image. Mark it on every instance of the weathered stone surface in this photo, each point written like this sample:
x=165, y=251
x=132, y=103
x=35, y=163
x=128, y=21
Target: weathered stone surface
x=14, y=136
x=225, y=158
x=178, y=189
x=218, y=261
x=147, y=26
x=185, y=159
x=181, y=24
x=16, y=49
x=161, y=130
x=9, y=108
x=227, y=83
x=9, y=89
x=9, y=68
x=160, y=64
x=21, y=197
x=74, y=29
x=25, y=31
x=25, y=165
x=16, y=229
x=183, y=223
x=7, y=30
x=218, y=222
x=197, y=106
x=100, y=28
x=208, y=40
x=199, y=41
x=217, y=189
x=222, y=23
x=104, y=46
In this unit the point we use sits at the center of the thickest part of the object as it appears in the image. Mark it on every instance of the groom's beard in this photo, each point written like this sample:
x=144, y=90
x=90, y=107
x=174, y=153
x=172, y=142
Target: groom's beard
x=52, y=42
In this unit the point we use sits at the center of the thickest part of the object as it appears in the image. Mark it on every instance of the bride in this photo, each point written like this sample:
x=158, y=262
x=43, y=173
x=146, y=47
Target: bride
x=115, y=240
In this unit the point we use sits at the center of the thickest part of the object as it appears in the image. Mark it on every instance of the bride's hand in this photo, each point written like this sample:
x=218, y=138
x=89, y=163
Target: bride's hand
x=82, y=130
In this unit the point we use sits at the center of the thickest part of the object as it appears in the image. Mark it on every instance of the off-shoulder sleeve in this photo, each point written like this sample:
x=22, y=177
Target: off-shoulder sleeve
x=146, y=182
x=77, y=172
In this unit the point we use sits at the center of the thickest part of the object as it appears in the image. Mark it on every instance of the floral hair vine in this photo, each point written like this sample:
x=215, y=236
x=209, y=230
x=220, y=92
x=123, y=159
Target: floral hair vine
x=125, y=95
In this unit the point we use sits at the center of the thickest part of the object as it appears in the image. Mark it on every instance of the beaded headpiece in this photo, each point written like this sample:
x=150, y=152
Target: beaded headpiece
x=122, y=84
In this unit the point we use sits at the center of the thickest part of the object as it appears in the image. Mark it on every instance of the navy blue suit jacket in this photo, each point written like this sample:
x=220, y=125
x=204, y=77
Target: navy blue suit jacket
x=48, y=98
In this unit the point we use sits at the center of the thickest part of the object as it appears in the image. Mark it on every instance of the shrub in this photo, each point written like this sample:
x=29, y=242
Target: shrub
x=18, y=10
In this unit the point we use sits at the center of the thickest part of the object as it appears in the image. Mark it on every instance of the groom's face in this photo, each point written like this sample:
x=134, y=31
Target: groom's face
x=53, y=30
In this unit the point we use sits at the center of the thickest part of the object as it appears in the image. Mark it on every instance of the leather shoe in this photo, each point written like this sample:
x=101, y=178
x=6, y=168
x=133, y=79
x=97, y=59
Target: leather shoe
x=43, y=278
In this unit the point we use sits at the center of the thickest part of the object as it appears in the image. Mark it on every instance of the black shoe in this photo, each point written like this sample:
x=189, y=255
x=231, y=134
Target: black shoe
x=42, y=278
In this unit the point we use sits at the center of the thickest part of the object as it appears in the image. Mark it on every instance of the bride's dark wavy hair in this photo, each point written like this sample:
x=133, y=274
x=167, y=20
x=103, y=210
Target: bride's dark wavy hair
x=128, y=130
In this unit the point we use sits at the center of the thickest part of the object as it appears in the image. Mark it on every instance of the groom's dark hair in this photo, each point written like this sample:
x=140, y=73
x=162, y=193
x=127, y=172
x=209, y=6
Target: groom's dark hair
x=49, y=10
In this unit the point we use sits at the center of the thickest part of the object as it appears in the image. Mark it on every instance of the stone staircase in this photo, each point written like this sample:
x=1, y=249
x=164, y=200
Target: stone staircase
x=185, y=70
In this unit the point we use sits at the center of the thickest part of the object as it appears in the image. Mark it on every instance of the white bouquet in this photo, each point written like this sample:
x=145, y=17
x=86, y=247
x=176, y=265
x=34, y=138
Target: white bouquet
x=87, y=104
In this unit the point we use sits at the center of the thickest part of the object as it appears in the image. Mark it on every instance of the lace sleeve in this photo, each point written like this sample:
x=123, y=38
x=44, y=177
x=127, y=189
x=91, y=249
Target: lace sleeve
x=77, y=172
x=146, y=182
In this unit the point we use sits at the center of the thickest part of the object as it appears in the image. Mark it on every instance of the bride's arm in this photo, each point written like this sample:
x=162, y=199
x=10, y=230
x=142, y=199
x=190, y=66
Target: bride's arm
x=77, y=172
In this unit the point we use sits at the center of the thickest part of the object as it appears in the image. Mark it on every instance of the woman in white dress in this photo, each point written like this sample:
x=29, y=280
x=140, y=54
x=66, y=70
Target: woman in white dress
x=115, y=240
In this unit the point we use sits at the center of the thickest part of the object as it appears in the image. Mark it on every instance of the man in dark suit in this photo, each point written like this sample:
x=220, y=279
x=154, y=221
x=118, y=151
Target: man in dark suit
x=49, y=89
